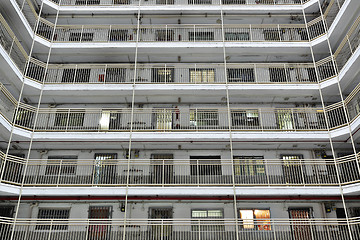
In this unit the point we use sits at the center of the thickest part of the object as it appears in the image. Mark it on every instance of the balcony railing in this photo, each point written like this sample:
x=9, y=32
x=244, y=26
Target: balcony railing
x=197, y=73
x=179, y=172
x=175, y=2
x=177, y=73
x=179, y=229
x=176, y=33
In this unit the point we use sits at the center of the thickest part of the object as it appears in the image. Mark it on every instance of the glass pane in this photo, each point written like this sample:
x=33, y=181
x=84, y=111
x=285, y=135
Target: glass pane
x=247, y=216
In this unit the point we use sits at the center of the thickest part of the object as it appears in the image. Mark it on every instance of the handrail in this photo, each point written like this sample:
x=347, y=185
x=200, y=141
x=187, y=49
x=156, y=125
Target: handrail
x=176, y=2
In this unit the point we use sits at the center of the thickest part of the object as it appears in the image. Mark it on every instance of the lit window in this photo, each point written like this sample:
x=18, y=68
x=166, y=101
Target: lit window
x=255, y=219
x=202, y=75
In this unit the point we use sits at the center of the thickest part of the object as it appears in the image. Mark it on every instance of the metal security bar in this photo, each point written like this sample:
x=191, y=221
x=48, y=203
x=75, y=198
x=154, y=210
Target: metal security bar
x=179, y=229
x=176, y=2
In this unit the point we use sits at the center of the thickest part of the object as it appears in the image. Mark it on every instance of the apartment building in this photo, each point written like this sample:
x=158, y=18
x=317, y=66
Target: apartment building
x=179, y=119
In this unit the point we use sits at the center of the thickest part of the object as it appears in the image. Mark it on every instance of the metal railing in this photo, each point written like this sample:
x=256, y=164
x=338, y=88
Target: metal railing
x=178, y=73
x=176, y=2
x=179, y=172
x=175, y=33
x=11, y=45
x=179, y=229
x=348, y=46
x=172, y=119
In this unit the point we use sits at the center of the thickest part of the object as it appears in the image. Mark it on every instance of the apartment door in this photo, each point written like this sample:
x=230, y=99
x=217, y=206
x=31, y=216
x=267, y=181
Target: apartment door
x=162, y=168
x=300, y=230
x=105, y=168
x=99, y=230
x=160, y=230
x=293, y=169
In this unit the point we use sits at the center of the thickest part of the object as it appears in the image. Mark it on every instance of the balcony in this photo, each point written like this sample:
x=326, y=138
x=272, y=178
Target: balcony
x=179, y=229
x=175, y=2
x=295, y=172
x=279, y=73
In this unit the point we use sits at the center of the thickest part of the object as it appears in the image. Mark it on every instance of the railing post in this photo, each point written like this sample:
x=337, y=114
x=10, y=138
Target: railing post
x=108, y=39
x=255, y=74
x=286, y=74
x=279, y=33
x=12, y=45
x=274, y=230
x=165, y=73
x=194, y=32
x=76, y=67
x=82, y=31
x=250, y=33
x=347, y=37
x=199, y=226
x=197, y=172
x=106, y=67
x=59, y=173
x=293, y=119
x=67, y=120
x=50, y=231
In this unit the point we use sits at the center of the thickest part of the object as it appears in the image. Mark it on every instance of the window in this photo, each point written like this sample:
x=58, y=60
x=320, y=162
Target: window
x=237, y=36
x=167, y=2
x=249, y=165
x=235, y=2
x=255, y=219
x=245, y=118
x=292, y=169
x=76, y=75
x=202, y=75
x=74, y=118
x=162, y=75
x=164, y=35
x=164, y=119
x=78, y=36
x=201, y=36
x=277, y=74
x=271, y=35
x=218, y=213
x=285, y=119
x=87, y=2
x=63, y=165
x=205, y=165
x=105, y=168
x=118, y=35
x=200, y=2
x=115, y=75
x=52, y=214
x=215, y=226
x=240, y=75
x=203, y=118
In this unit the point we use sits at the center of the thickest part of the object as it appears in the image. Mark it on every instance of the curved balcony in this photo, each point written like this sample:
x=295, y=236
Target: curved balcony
x=275, y=73
x=179, y=229
x=312, y=173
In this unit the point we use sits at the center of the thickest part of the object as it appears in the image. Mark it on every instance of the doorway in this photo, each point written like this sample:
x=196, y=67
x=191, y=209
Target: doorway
x=99, y=230
x=301, y=230
x=293, y=169
x=160, y=231
x=162, y=168
x=105, y=168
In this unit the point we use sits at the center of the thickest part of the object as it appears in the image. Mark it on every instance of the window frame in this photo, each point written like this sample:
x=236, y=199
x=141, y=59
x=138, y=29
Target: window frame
x=55, y=170
x=256, y=225
x=62, y=227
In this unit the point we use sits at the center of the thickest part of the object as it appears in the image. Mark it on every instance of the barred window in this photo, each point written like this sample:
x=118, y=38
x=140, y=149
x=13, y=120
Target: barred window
x=49, y=213
x=63, y=165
